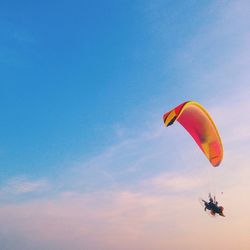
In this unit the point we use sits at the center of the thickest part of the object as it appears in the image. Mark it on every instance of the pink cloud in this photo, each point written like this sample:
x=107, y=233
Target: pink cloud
x=22, y=185
x=135, y=219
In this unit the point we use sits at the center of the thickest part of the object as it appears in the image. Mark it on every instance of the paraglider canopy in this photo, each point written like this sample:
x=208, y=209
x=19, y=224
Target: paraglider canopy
x=199, y=124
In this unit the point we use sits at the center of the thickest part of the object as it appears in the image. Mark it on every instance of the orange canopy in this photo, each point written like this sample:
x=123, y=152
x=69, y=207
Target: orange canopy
x=199, y=124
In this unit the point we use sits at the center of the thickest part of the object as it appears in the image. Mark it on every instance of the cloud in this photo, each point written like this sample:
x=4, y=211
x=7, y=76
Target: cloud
x=178, y=182
x=22, y=185
x=214, y=64
x=115, y=220
x=127, y=219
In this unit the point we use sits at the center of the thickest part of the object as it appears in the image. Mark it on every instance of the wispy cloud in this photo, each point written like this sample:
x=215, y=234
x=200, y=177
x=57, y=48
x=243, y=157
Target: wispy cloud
x=178, y=182
x=139, y=219
x=214, y=63
x=22, y=185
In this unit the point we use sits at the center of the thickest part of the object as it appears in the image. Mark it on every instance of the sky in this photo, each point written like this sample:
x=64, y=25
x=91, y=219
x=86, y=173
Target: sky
x=85, y=159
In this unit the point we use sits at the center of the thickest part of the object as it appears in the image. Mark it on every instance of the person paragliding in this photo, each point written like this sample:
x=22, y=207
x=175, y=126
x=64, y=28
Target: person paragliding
x=212, y=205
x=200, y=125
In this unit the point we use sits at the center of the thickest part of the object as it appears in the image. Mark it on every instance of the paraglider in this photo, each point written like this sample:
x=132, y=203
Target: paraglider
x=199, y=124
x=212, y=205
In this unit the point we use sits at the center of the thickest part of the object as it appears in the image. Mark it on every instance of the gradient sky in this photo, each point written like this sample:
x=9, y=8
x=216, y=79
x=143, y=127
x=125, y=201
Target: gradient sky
x=85, y=160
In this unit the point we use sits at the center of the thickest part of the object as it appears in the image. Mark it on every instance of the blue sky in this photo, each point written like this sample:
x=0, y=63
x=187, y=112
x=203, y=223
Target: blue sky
x=72, y=71
x=85, y=159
